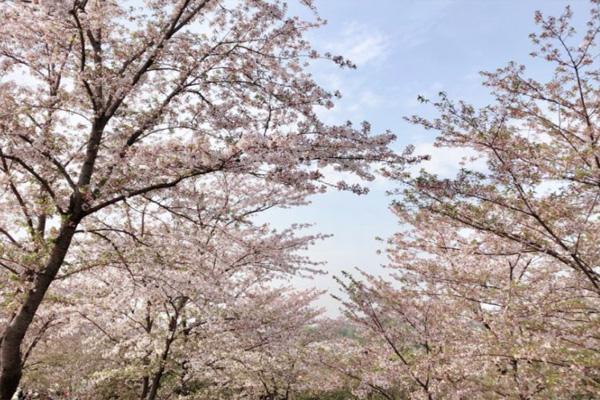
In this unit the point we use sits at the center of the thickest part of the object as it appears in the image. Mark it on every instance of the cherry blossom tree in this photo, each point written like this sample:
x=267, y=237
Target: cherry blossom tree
x=105, y=103
x=451, y=322
x=540, y=143
x=194, y=303
x=493, y=287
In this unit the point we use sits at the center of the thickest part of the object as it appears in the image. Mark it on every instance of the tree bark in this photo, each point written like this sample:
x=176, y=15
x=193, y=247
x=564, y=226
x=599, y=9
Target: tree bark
x=11, y=363
x=173, y=323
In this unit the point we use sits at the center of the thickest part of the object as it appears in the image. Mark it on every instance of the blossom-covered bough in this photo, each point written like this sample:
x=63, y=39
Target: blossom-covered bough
x=495, y=279
x=113, y=106
x=183, y=299
x=190, y=298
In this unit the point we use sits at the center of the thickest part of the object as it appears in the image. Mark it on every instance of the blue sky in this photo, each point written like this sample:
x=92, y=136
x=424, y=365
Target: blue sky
x=404, y=48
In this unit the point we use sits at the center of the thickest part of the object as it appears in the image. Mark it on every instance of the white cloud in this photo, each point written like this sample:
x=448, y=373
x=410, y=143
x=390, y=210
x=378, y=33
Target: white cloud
x=361, y=44
x=446, y=162
x=368, y=99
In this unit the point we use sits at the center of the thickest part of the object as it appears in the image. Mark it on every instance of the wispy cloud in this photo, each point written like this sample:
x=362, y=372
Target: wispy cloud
x=420, y=22
x=446, y=162
x=362, y=44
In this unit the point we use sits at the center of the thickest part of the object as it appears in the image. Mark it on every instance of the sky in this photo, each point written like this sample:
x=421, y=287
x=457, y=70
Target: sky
x=404, y=48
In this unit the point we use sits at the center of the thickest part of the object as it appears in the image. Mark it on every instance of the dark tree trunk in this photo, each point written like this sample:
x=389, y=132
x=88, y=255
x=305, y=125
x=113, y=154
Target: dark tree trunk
x=145, y=387
x=178, y=305
x=11, y=364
